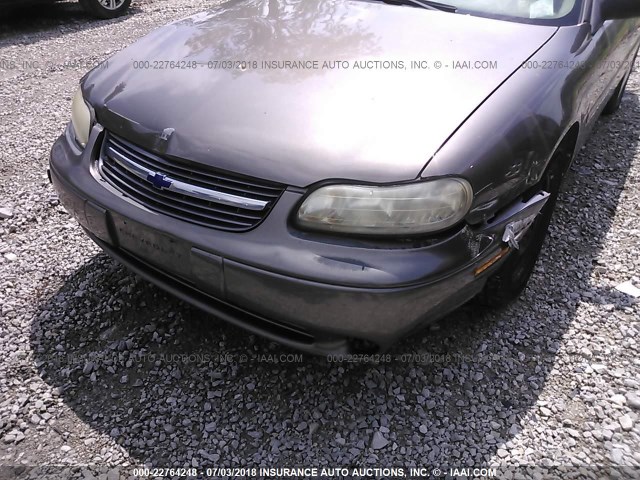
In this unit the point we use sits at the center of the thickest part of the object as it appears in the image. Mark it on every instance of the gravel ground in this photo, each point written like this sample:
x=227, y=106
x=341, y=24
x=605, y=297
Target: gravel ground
x=101, y=368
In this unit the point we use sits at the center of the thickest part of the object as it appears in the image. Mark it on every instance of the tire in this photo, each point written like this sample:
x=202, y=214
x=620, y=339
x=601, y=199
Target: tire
x=506, y=285
x=105, y=9
x=613, y=105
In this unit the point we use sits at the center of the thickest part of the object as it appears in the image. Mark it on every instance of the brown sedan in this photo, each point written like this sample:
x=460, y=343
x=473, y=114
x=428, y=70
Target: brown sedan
x=335, y=174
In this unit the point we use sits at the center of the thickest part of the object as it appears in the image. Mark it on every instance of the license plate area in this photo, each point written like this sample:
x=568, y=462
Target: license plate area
x=156, y=248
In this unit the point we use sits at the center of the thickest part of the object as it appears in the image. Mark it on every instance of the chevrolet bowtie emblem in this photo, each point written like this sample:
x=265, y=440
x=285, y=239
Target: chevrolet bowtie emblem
x=158, y=180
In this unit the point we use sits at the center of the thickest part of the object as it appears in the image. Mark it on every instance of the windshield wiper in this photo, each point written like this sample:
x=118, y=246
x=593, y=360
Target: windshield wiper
x=428, y=4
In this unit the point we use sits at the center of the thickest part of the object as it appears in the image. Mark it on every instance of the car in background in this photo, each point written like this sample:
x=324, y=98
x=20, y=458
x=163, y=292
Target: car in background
x=336, y=174
x=98, y=8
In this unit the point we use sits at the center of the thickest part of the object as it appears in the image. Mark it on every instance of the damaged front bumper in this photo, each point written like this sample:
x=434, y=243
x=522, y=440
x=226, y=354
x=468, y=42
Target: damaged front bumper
x=314, y=293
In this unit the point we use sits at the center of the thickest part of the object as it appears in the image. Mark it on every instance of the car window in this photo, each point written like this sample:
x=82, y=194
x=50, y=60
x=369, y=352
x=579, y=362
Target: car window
x=534, y=11
x=531, y=9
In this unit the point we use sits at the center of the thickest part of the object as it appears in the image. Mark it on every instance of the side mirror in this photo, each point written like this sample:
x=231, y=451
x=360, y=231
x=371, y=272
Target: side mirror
x=619, y=9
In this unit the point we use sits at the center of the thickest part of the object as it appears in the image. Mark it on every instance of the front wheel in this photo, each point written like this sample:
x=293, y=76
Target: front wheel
x=106, y=8
x=613, y=105
x=509, y=281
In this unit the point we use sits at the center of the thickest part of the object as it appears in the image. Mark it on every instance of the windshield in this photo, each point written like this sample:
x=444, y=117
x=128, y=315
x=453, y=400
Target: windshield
x=546, y=12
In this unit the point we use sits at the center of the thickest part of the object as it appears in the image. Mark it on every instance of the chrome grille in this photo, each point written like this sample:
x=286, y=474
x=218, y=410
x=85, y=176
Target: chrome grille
x=188, y=191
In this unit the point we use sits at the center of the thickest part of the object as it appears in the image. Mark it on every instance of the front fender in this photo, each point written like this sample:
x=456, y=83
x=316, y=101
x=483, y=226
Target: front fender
x=504, y=147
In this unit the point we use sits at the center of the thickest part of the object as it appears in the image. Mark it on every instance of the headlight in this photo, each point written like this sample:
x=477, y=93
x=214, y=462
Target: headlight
x=80, y=118
x=384, y=210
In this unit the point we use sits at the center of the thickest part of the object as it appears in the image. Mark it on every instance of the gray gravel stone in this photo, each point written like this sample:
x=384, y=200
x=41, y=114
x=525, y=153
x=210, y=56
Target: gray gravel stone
x=378, y=441
x=619, y=399
x=626, y=423
x=633, y=400
x=6, y=212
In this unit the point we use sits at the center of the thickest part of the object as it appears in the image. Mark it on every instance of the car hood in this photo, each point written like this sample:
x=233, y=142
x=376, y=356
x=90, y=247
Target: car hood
x=368, y=114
